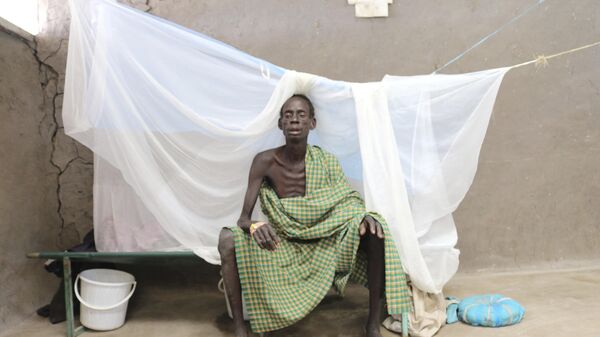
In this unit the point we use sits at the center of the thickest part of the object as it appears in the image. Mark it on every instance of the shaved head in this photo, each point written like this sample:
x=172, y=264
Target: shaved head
x=311, y=108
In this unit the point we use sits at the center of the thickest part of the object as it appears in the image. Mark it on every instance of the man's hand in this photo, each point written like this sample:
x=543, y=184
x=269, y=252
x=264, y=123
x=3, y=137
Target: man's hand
x=371, y=225
x=265, y=237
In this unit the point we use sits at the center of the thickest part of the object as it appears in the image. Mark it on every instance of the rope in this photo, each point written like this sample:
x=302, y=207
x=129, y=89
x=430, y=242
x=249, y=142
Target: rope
x=532, y=7
x=542, y=60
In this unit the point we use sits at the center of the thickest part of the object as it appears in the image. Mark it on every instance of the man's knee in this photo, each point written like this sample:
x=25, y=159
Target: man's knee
x=226, y=243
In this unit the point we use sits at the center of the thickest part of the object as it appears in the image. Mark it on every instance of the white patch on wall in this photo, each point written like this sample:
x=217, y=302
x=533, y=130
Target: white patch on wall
x=370, y=8
x=21, y=13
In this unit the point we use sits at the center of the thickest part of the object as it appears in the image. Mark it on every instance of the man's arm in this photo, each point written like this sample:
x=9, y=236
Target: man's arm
x=265, y=236
x=257, y=173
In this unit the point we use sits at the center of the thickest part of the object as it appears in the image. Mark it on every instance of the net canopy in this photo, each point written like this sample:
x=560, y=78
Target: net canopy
x=175, y=118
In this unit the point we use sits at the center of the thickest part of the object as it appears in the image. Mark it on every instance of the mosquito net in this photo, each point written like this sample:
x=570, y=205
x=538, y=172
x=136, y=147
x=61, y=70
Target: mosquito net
x=175, y=118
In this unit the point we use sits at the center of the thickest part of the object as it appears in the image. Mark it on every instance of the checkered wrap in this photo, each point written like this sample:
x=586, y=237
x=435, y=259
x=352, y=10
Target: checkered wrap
x=319, y=248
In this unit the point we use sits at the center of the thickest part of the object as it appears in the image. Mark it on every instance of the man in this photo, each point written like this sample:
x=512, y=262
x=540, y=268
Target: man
x=318, y=235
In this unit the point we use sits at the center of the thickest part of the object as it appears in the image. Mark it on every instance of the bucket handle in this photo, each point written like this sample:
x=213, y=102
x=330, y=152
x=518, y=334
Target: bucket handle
x=102, y=308
x=221, y=285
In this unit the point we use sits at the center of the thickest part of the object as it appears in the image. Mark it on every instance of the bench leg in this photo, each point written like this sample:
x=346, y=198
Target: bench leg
x=70, y=315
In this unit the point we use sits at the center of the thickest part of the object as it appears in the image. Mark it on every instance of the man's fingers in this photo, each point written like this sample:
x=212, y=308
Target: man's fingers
x=380, y=231
x=270, y=236
x=265, y=236
x=372, y=225
x=269, y=239
x=274, y=235
x=260, y=240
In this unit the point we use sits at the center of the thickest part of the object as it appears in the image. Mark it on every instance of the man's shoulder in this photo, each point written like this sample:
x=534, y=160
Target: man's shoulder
x=263, y=160
x=265, y=157
x=266, y=154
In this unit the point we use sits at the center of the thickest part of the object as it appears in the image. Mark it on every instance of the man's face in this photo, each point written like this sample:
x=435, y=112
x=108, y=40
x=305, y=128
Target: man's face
x=295, y=120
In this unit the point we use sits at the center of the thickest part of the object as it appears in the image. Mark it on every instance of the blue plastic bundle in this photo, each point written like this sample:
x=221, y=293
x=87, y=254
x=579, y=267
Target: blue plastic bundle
x=452, y=309
x=490, y=310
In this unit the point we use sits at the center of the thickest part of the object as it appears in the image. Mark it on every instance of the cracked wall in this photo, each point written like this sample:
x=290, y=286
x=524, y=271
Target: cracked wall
x=46, y=177
x=28, y=204
x=73, y=163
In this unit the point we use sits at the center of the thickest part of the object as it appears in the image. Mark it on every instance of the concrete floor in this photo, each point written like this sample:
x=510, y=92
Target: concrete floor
x=558, y=303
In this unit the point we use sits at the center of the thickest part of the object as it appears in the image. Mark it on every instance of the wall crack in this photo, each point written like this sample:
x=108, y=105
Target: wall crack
x=49, y=83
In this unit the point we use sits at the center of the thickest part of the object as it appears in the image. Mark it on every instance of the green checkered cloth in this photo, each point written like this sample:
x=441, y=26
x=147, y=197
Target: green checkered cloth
x=318, y=249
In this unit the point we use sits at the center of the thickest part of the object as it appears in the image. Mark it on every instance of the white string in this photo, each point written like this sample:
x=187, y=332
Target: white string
x=542, y=60
x=532, y=7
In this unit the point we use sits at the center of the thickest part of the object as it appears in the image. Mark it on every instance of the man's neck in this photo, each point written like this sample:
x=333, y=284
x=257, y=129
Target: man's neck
x=294, y=152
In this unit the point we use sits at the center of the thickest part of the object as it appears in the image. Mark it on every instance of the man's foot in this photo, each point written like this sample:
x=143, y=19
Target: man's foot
x=373, y=331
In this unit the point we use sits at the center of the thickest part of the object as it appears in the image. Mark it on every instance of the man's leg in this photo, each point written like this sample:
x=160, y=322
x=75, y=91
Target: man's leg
x=374, y=247
x=232, y=280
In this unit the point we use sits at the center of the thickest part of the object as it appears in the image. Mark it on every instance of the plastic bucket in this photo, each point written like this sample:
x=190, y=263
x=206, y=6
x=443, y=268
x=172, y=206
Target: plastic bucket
x=104, y=296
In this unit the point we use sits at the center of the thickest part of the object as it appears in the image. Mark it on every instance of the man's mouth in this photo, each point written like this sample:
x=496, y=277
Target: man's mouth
x=294, y=131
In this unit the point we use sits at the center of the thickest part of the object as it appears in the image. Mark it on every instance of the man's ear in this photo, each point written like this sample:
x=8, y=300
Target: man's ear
x=313, y=123
x=279, y=124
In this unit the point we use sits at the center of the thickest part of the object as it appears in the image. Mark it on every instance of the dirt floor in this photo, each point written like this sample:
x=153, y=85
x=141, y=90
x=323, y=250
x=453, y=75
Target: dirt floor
x=558, y=303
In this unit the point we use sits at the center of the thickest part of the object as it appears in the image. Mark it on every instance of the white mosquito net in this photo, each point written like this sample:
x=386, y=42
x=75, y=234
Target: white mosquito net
x=175, y=118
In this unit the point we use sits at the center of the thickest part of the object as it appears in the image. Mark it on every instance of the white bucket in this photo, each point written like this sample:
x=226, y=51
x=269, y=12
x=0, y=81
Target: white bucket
x=105, y=294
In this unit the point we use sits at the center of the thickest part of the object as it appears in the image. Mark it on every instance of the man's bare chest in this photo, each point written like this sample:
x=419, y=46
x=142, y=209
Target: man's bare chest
x=287, y=181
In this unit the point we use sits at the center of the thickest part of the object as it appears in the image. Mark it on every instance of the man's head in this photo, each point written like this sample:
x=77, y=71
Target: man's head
x=311, y=108
x=297, y=117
